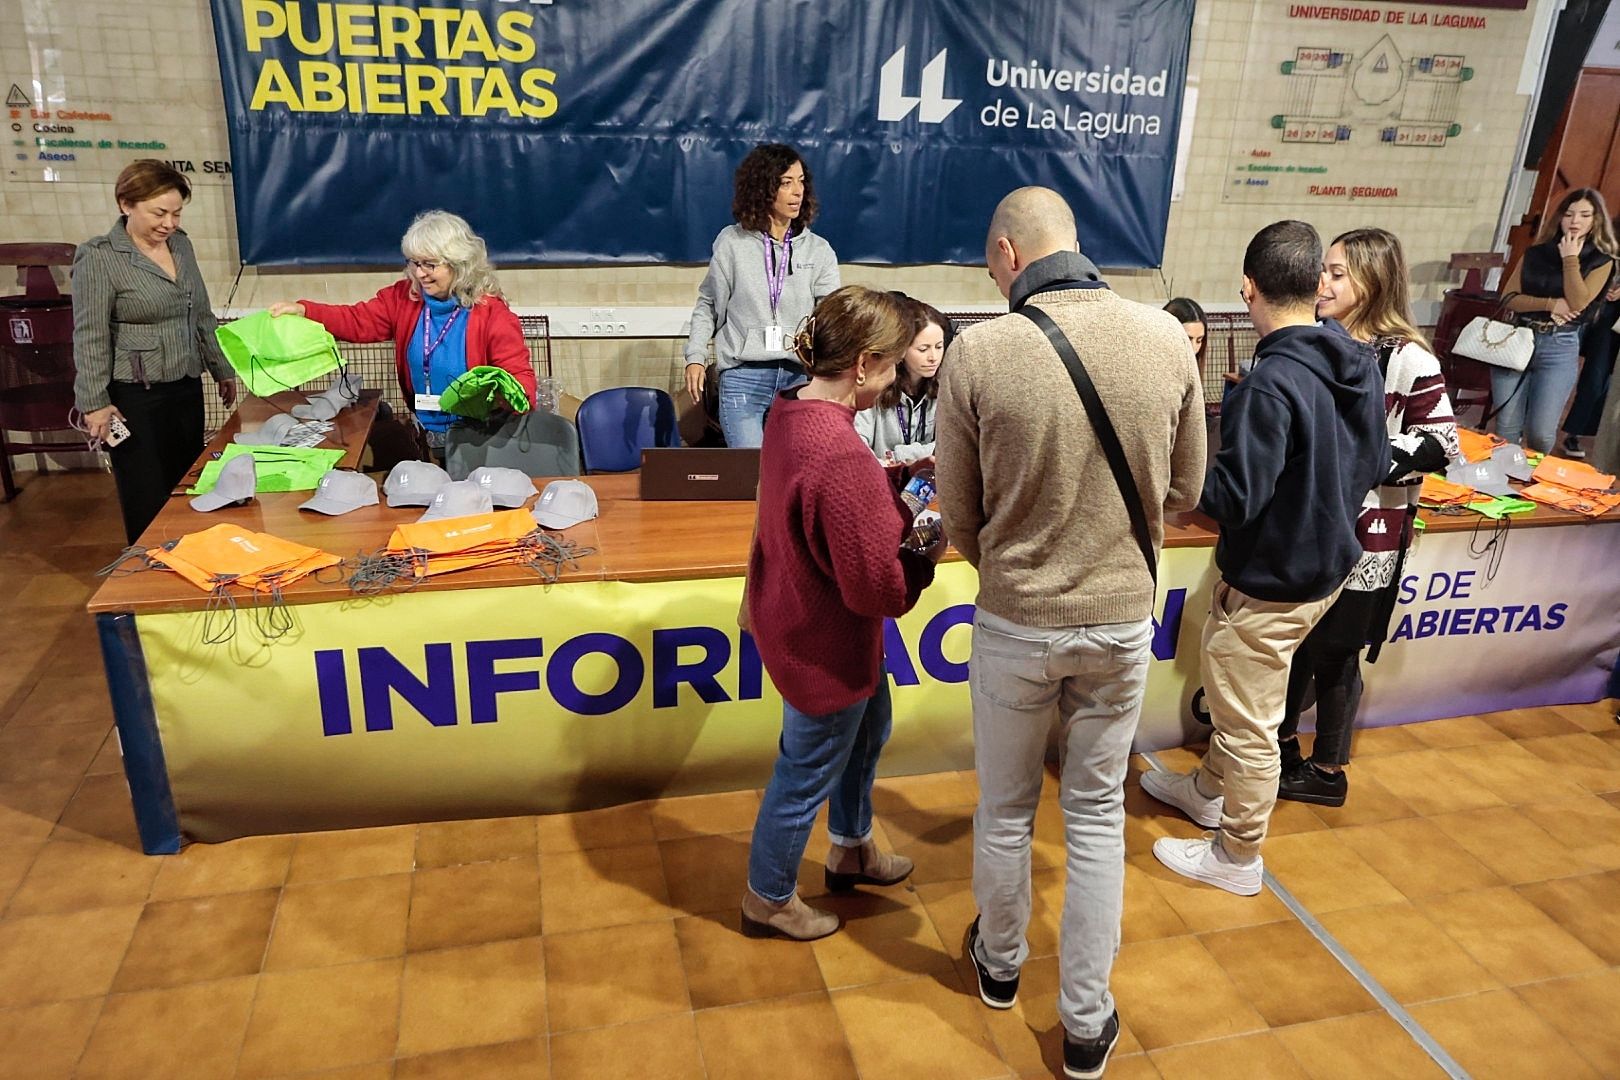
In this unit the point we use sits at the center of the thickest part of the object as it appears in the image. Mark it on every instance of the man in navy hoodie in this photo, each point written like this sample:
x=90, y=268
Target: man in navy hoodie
x=1302, y=442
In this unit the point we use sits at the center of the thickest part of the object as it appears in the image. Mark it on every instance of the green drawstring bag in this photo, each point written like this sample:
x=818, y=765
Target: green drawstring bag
x=1501, y=506
x=275, y=354
x=278, y=468
x=478, y=392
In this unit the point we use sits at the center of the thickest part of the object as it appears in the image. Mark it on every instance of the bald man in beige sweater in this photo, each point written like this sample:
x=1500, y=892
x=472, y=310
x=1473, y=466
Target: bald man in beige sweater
x=1064, y=621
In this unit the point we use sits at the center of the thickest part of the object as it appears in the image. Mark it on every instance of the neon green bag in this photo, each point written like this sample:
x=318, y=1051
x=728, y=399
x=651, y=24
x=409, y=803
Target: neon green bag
x=1501, y=506
x=279, y=468
x=274, y=354
x=478, y=392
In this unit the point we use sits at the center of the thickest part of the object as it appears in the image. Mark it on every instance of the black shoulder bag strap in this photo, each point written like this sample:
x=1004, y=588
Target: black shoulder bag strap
x=1104, y=428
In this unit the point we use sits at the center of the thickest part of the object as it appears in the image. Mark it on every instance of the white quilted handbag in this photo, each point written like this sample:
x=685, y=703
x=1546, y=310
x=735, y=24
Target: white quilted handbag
x=1494, y=342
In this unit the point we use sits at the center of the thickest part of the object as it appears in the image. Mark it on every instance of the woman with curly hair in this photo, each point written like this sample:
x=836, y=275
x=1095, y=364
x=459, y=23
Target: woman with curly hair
x=765, y=276
x=444, y=316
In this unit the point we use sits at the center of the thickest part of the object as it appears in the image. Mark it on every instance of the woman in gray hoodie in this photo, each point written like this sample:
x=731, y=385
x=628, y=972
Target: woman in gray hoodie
x=900, y=426
x=765, y=276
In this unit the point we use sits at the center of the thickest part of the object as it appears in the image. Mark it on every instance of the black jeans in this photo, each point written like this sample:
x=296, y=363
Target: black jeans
x=165, y=436
x=1330, y=659
x=1599, y=347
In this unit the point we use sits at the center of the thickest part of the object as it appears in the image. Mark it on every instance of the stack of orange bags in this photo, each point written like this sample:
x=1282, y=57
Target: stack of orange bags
x=464, y=543
x=1438, y=491
x=1572, y=485
x=1476, y=445
x=231, y=555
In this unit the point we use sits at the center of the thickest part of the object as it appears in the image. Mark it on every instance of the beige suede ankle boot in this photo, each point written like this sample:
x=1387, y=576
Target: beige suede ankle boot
x=793, y=918
x=848, y=867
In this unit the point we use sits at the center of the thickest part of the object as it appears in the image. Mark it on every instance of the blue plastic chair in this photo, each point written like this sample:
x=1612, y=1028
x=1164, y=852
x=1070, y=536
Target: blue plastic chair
x=616, y=425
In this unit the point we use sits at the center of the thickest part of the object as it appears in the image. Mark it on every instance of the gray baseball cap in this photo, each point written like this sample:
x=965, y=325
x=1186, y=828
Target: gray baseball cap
x=345, y=391
x=1487, y=476
x=458, y=499
x=235, y=484
x=1512, y=460
x=565, y=503
x=270, y=433
x=341, y=491
x=414, y=483
x=507, y=487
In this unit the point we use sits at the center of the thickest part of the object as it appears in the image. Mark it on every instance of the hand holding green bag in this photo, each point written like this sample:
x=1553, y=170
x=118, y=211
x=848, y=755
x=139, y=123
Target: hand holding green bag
x=275, y=354
x=479, y=392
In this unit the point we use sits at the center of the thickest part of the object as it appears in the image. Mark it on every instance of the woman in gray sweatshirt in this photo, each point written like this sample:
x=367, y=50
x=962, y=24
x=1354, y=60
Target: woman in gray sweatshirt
x=765, y=277
x=900, y=426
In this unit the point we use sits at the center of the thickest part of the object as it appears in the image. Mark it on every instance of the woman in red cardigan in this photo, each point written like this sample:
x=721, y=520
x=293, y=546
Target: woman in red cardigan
x=829, y=563
x=445, y=316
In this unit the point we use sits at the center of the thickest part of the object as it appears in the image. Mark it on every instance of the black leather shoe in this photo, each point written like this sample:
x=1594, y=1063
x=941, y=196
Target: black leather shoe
x=1308, y=784
x=996, y=993
x=1087, y=1060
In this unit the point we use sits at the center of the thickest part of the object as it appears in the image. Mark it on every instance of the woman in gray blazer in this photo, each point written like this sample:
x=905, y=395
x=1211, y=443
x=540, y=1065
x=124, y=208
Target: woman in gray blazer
x=143, y=330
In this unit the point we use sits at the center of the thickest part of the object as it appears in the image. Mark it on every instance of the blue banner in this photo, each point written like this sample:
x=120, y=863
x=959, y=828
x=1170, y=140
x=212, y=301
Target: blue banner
x=590, y=131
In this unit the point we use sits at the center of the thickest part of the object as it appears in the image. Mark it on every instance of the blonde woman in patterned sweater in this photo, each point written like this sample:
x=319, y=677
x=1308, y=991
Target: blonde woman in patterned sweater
x=1364, y=287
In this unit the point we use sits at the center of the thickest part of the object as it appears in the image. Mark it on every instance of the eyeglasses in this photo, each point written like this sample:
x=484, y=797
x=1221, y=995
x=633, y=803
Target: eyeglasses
x=427, y=266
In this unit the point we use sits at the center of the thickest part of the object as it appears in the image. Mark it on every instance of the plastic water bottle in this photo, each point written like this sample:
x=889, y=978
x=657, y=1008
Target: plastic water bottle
x=919, y=491
x=926, y=527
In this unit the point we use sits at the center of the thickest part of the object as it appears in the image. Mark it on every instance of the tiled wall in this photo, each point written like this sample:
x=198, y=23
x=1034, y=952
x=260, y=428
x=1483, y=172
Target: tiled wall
x=154, y=63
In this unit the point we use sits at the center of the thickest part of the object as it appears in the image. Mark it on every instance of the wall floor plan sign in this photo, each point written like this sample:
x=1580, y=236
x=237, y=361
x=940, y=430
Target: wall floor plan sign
x=1378, y=102
x=588, y=131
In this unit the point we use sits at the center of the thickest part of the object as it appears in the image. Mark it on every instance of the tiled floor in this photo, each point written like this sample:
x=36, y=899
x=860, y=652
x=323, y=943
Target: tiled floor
x=1475, y=873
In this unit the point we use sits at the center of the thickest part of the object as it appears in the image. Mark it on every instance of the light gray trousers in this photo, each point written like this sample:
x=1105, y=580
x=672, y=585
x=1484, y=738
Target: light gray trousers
x=1089, y=678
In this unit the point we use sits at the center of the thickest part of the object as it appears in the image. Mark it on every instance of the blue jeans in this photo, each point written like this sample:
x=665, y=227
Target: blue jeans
x=1091, y=678
x=820, y=757
x=1530, y=412
x=747, y=390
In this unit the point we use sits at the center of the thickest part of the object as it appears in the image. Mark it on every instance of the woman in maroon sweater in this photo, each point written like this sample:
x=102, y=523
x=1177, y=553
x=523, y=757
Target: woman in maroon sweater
x=827, y=567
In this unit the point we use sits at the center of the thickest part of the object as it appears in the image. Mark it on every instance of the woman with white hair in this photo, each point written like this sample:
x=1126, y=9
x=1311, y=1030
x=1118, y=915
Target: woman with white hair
x=445, y=316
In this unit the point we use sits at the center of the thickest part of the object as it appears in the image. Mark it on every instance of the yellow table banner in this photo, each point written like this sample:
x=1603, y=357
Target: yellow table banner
x=484, y=702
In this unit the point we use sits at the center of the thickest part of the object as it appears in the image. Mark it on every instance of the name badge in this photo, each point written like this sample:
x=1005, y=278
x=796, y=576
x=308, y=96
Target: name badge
x=773, y=339
x=427, y=403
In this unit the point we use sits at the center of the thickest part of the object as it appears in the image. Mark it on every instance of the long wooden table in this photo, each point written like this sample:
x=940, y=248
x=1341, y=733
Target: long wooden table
x=631, y=540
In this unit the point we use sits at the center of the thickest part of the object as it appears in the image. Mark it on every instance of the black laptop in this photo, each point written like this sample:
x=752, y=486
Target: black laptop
x=699, y=473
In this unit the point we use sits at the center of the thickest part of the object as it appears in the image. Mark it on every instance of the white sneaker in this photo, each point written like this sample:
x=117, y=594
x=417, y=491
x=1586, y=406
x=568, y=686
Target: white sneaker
x=1180, y=790
x=1205, y=860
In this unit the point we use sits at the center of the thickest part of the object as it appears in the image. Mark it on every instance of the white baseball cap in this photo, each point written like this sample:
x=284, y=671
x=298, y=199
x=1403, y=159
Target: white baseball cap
x=458, y=499
x=270, y=433
x=414, y=483
x=341, y=491
x=564, y=503
x=235, y=484
x=508, y=487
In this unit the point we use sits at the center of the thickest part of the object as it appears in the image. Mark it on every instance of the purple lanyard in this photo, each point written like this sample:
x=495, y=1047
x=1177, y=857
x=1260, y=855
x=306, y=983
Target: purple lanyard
x=776, y=273
x=427, y=350
x=903, y=412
